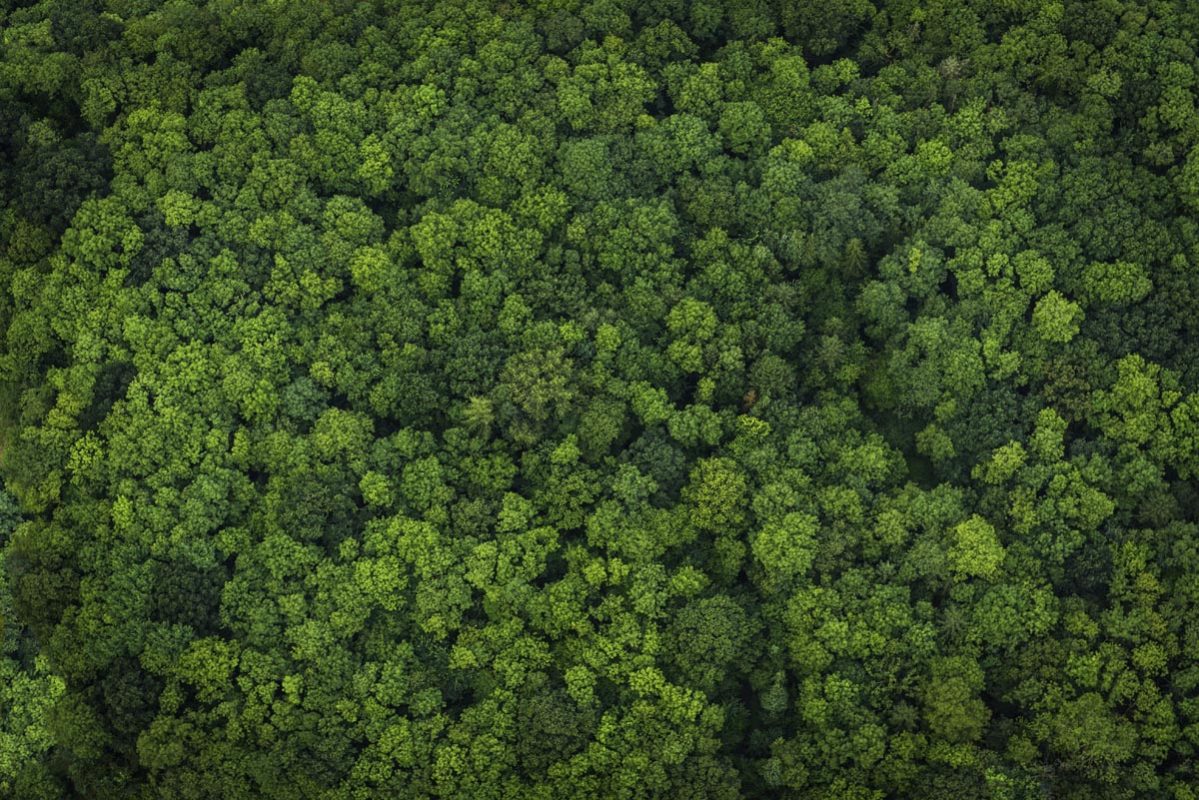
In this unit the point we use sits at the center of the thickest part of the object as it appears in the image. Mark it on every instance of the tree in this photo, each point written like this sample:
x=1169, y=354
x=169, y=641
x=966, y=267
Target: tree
x=1056, y=319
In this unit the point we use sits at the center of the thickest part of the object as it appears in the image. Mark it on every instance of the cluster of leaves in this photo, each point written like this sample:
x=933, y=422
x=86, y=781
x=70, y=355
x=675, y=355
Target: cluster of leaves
x=599, y=399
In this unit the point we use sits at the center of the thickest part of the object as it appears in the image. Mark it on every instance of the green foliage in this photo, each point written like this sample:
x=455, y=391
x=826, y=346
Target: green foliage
x=599, y=399
x=1056, y=319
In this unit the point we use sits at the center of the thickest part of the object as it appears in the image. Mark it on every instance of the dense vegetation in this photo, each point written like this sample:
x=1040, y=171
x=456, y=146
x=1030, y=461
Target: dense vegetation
x=599, y=399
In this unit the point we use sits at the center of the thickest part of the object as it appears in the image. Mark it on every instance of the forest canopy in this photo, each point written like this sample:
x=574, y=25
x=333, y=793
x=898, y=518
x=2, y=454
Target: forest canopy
x=599, y=399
